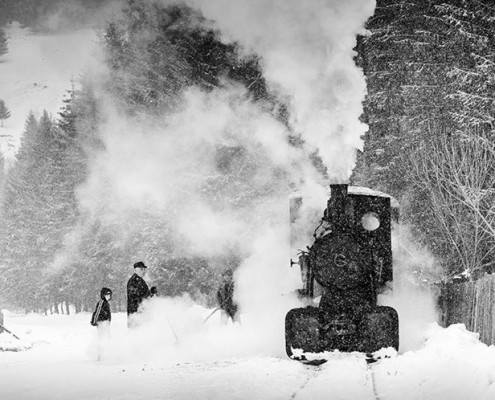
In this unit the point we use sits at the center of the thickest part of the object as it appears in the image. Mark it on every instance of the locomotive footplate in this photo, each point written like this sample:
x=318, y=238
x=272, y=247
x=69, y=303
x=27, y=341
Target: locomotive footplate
x=313, y=330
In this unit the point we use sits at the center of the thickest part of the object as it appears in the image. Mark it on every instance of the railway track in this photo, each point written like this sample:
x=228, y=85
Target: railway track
x=345, y=377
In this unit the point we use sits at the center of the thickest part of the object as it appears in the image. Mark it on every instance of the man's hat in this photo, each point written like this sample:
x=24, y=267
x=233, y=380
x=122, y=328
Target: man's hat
x=140, y=264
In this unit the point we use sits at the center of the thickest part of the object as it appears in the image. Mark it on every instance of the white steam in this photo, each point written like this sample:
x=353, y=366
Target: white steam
x=169, y=167
x=414, y=295
x=306, y=49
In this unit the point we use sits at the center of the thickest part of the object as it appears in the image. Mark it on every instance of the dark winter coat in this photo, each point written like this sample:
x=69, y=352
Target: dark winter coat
x=102, y=310
x=137, y=291
x=225, y=294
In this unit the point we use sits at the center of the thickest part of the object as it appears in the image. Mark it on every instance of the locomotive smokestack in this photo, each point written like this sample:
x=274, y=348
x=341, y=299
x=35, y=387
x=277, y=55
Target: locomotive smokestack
x=336, y=206
x=338, y=190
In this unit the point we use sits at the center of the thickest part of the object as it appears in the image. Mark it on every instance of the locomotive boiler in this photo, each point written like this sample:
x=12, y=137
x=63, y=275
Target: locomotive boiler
x=351, y=260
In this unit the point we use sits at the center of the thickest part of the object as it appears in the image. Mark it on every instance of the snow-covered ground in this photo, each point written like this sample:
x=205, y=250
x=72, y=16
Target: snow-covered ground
x=213, y=361
x=36, y=73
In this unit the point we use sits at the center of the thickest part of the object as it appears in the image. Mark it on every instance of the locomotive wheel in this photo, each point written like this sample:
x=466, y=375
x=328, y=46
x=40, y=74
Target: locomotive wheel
x=302, y=331
x=379, y=329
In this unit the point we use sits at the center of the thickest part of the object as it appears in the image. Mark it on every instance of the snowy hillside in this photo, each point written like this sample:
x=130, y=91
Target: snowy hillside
x=210, y=361
x=36, y=73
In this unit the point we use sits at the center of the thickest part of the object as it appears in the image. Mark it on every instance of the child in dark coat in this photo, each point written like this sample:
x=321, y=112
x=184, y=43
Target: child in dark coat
x=101, y=319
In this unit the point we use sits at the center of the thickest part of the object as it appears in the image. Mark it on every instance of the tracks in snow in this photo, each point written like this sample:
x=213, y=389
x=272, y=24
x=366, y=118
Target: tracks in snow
x=344, y=377
x=313, y=372
x=371, y=375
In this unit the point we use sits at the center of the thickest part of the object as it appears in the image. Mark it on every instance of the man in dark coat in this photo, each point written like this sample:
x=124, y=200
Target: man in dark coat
x=225, y=297
x=137, y=291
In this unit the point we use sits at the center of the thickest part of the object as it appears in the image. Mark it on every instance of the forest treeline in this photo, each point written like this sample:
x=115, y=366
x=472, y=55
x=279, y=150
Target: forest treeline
x=153, y=53
x=429, y=67
x=430, y=71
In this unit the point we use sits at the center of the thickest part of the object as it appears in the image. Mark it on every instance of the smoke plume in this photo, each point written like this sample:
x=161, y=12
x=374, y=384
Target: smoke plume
x=169, y=166
x=307, y=54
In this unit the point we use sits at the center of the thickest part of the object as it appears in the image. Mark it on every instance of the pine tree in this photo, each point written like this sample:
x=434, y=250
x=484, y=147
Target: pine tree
x=2, y=176
x=429, y=66
x=4, y=112
x=67, y=117
x=18, y=239
x=157, y=51
x=39, y=209
x=3, y=43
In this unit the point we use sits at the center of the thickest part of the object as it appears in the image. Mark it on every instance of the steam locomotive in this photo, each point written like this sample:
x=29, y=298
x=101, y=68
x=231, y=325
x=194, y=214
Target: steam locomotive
x=351, y=262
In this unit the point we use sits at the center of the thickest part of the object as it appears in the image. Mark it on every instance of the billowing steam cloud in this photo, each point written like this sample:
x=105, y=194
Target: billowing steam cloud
x=412, y=296
x=169, y=167
x=306, y=50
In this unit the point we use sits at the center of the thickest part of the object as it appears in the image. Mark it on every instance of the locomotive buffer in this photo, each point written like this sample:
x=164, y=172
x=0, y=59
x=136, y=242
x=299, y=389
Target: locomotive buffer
x=352, y=260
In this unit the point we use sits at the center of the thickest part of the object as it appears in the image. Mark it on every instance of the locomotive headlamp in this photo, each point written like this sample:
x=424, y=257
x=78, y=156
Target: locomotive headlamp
x=370, y=221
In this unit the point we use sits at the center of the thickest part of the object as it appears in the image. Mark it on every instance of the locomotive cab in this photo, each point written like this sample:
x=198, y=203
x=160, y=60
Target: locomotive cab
x=351, y=259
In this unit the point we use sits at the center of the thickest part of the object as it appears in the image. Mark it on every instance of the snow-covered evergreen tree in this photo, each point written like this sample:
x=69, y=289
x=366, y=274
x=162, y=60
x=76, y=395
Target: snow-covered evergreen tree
x=4, y=48
x=4, y=112
x=156, y=51
x=39, y=209
x=429, y=68
x=3, y=174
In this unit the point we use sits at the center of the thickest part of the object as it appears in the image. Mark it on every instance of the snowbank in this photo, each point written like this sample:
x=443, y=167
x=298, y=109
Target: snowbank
x=214, y=361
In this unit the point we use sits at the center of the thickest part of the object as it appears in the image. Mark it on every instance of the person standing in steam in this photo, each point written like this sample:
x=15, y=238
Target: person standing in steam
x=137, y=291
x=1, y=321
x=101, y=319
x=225, y=297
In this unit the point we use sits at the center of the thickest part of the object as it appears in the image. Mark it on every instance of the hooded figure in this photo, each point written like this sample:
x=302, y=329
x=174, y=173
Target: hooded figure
x=102, y=311
x=101, y=319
